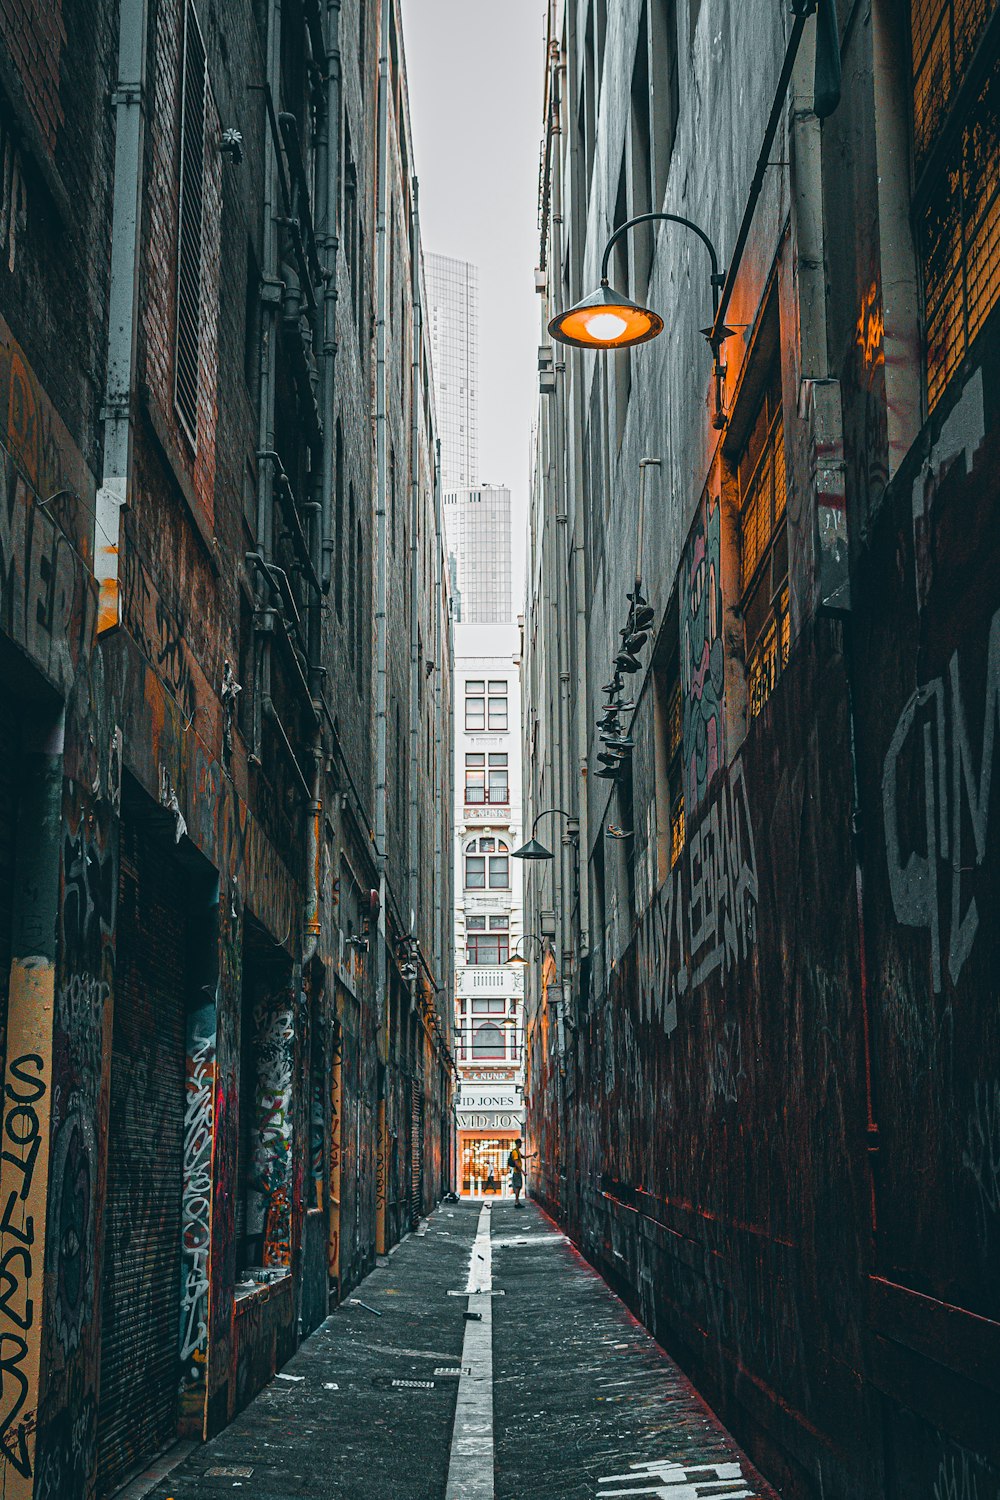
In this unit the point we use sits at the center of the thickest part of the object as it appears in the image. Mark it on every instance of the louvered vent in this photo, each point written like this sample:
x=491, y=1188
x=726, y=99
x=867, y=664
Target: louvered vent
x=192, y=187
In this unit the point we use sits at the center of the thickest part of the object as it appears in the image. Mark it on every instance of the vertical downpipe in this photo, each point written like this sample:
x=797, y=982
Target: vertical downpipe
x=415, y=413
x=443, y=747
x=329, y=238
x=381, y=597
x=271, y=288
x=123, y=295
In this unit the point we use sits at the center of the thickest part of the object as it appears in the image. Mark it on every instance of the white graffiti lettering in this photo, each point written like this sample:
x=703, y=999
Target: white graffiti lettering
x=932, y=733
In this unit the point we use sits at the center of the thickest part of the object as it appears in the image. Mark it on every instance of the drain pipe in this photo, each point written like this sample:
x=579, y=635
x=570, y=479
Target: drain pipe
x=270, y=299
x=442, y=748
x=330, y=246
x=381, y=610
x=327, y=182
x=415, y=413
x=126, y=227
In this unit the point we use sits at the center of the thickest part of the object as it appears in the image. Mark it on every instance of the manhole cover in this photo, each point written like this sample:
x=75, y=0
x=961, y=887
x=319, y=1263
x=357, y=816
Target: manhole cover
x=234, y=1471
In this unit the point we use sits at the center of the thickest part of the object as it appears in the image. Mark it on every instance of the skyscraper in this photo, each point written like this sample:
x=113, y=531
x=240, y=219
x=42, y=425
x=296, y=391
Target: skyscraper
x=453, y=294
x=477, y=526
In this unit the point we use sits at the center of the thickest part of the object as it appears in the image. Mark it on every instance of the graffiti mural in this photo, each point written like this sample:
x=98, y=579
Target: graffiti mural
x=702, y=661
x=269, y=1206
x=704, y=915
x=196, y=1205
x=933, y=870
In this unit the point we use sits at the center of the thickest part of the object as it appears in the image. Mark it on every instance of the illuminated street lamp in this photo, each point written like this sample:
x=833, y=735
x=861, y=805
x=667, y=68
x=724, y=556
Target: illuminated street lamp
x=608, y=319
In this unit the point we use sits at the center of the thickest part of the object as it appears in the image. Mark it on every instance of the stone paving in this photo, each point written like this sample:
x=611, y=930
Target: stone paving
x=586, y=1405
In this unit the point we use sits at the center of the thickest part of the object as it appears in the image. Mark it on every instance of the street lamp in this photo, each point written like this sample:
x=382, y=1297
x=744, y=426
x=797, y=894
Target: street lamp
x=608, y=319
x=518, y=960
x=535, y=850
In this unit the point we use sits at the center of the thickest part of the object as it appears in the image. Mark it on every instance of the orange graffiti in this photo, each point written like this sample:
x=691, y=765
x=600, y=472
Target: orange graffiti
x=871, y=329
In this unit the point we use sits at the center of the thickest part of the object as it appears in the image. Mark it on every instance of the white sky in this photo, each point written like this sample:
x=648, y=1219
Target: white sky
x=475, y=71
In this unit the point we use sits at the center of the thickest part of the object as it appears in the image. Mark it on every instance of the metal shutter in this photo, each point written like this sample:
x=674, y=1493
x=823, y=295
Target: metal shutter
x=140, y=1318
x=416, y=1152
x=8, y=821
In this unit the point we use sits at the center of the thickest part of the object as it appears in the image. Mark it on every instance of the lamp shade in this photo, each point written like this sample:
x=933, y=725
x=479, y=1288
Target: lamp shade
x=517, y=961
x=532, y=850
x=606, y=320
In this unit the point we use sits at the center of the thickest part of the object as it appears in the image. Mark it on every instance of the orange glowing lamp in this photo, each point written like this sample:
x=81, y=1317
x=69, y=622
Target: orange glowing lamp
x=606, y=320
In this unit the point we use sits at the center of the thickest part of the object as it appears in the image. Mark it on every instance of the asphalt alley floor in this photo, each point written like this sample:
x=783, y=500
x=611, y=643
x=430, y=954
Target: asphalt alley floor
x=586, y=1406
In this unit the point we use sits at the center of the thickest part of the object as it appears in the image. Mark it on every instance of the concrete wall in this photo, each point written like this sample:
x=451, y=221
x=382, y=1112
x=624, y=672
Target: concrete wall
x=760, y=1082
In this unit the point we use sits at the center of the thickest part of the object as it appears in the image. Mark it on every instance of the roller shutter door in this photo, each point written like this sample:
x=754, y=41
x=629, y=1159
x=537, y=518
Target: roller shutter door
x=416, y=1151
x=8, y=821
x=140, y=1319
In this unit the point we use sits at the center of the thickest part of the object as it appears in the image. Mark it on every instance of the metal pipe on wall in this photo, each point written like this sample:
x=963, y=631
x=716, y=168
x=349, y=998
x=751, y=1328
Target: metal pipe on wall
x=329, y=239
x=381, y=596
x=415, y=413
x=123, y=298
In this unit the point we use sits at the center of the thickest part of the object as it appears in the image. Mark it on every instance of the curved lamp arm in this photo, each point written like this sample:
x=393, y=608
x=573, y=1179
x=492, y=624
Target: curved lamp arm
x=718, y=277
x=546, y=813
x=718, y=332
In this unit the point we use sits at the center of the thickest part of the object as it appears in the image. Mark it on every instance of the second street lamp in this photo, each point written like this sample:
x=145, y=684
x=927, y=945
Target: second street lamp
x=534, y=849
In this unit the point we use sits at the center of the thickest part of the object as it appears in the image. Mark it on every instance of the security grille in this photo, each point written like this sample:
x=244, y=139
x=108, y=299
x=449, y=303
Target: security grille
x=416, y=1152
x=956, y=124
x=140, y=1308
x=189, y=238
x=8, y=817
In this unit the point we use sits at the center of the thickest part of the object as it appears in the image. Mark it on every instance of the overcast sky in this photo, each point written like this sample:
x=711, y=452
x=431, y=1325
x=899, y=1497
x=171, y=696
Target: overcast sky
x=475, y=71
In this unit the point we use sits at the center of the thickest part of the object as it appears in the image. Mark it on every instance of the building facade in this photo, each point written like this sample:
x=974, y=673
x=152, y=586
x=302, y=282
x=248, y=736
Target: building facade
x=478, y=532
x=225, y=689
x=489, y=1022
x=453, y=302
x=761, y=1068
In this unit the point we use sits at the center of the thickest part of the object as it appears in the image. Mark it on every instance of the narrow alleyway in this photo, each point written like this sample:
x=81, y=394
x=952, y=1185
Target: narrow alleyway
x=585, y=1406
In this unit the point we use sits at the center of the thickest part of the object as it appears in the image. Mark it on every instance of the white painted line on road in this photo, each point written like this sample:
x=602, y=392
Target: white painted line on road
x=672, y=1480
x=470, y=1466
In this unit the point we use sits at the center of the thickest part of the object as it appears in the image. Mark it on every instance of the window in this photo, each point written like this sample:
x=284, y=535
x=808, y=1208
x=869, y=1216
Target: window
x=475, y=705
x=498, y=706
x=956, y=127
x=498, y=789
x=475, y=779
x=764, y=559
x=487, y=856
x=189, y=232
x=642, y=186
x=666, y=92
x=488, y=1007
x=487, y=948
x=488, y=1041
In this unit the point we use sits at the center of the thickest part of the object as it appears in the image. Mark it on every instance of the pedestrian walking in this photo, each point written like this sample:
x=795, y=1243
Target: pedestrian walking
x=516, y=1159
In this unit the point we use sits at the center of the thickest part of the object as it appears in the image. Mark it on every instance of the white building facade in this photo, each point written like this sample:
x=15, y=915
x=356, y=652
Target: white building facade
x=489, y=1016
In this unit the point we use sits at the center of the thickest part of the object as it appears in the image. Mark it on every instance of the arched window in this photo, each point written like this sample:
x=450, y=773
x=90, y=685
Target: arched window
x=487, y=865
x=488, y=1041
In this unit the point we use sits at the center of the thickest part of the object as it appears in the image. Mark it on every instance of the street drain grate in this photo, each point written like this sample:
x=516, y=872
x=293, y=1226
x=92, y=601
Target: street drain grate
x=452, y=1374
x=385, y=1383
x=235, y=1471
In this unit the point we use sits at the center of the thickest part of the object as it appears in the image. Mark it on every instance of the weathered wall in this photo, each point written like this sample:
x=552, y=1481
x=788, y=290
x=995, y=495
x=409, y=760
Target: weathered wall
x=762, y=1080
x=159, y=730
